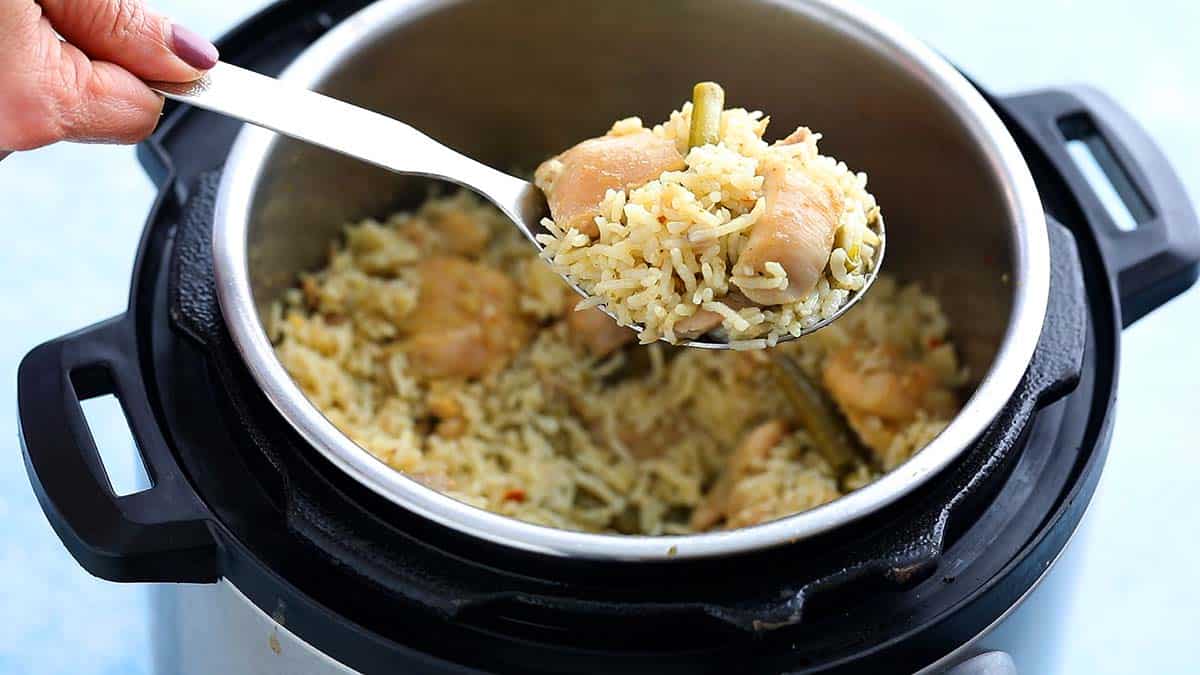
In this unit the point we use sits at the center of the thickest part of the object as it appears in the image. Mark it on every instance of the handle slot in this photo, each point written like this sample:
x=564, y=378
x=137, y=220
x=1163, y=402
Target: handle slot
x=1109, y=179
x=1158, y=259
x=108, y=423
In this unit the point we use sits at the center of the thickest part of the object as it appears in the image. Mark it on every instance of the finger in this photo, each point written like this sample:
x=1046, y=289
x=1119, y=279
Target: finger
x=113, y=107
x=51, y=91
x=128, y=34
x=62, y=95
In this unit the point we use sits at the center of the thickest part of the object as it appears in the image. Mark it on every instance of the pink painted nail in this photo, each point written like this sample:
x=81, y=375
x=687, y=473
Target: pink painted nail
x=193, y=49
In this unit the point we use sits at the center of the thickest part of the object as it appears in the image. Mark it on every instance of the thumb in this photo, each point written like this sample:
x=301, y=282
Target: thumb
x=124, y=32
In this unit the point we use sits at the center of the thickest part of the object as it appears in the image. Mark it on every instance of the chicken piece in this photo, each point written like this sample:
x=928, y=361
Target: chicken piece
x=597, y=165
x=453, y=352
x=466, y=322
x=799, y=136
x=795, y=231
x=705, y=320
x=462, y=234
x=597, y=331
x=881, y=392
x=754, y=447
x=697, y=324
x=712, y=510
x=880, y=381
x=875, y=432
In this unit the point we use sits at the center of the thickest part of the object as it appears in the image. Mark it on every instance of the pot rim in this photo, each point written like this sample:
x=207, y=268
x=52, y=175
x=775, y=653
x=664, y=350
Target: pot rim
x=1031, y=280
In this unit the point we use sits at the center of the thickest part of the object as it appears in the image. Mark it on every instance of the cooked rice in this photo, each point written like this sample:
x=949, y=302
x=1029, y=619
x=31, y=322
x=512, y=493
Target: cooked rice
x=668, y=248
x=557, y=437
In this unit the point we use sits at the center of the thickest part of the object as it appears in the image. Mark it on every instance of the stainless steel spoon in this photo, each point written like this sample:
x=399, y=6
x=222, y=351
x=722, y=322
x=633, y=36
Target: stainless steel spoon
x=380, y=140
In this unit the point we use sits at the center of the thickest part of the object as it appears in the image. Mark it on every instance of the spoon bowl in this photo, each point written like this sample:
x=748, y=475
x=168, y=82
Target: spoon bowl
x=391, y=144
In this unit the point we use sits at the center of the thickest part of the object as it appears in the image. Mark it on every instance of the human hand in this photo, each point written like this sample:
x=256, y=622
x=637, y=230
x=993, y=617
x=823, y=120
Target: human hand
x=87, y=86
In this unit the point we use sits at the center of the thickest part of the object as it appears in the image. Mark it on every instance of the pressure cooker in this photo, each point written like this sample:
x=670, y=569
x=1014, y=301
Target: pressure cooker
x=278, y=545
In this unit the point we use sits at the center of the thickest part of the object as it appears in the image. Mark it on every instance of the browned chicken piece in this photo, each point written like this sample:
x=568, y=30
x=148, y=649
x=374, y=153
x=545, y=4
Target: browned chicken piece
x=875, y=432
x=704, y=320
x=597, y=165
x=597, y=331
x=880, y=381
x=712, y=510
x=461, y=234
x=755, y=446
x=880, y=391
x=466, y=322
x=796, y=231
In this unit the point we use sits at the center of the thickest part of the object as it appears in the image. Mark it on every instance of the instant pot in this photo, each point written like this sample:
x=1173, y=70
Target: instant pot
x=283, y=547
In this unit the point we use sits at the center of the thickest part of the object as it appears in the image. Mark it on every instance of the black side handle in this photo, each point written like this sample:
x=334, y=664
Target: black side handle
x=159, y=534
x=1161, y=257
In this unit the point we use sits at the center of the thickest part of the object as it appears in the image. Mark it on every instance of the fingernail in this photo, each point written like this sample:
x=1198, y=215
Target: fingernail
x=193, y=49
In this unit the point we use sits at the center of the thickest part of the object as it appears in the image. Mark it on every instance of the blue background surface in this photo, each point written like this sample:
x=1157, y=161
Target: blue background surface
x=71, y=217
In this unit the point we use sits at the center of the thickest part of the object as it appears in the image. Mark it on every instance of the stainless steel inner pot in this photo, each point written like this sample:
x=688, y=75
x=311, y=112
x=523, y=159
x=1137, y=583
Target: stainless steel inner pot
x=511, y=82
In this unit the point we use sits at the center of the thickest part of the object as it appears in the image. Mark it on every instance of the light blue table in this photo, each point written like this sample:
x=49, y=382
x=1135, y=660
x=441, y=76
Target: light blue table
x=72, y=216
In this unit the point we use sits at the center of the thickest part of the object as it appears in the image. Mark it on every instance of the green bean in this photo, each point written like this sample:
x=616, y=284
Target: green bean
x=817, y=415
x=708, y=100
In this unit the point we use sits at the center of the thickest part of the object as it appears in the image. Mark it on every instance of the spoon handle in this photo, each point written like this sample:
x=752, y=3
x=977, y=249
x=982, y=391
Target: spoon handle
x=336, y=125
